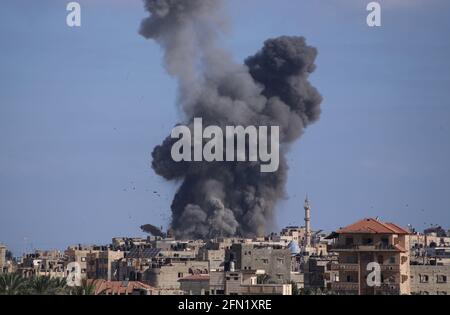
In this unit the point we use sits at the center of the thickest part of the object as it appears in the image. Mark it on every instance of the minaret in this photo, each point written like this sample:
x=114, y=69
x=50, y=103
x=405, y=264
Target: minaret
x=307, y=223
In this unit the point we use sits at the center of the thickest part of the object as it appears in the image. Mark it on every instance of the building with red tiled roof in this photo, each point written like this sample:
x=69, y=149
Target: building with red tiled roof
x=104, y=287
x=372, y=226
x=369, y=241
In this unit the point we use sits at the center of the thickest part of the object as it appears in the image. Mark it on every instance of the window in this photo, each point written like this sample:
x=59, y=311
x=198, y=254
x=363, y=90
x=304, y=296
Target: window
x=280, y=261
x=441, y=279
x=423, y=279
x=265, y=261
x=180, y=275
x=349, y=241
x=392, y=260
x=367, y=241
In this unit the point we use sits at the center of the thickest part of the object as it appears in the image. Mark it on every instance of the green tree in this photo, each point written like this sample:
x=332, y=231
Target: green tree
x=295, y=289
x=45, y=285
x=12, y=284
x=86, y=288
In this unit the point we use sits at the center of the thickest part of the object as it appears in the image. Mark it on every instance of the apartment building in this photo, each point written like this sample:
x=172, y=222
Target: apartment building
x=371, y=241
x=274, y=260
x=2, y=258
x=103, y=264
x=430, y=280
x=79, y=254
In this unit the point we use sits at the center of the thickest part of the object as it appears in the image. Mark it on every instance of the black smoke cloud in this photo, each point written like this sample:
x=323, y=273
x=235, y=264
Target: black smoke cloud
x=270, y=89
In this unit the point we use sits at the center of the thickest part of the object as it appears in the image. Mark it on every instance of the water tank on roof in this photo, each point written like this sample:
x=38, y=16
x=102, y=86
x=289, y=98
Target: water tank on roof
x=294, y=248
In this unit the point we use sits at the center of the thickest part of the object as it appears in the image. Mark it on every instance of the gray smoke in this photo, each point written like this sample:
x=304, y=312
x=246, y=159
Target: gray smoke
x=270, y=89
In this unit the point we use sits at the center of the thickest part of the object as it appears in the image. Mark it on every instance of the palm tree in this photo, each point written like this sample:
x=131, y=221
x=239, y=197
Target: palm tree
x=60, y=286
x=86, y=288
x=40, y=285
x=12, y=284
x=45, y=285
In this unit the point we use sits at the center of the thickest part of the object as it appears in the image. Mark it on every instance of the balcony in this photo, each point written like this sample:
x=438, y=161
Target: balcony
x=344, y=286
x=389, y=267
x=388, y=288
x=363, y=248
x=345, y=267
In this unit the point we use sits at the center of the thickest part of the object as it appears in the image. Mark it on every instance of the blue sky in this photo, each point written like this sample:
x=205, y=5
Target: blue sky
x=81, y=110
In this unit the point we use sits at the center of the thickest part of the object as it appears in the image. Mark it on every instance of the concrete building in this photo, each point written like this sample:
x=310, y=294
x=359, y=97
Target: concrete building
x=275, y=261
x=103, y=264
x=320, y=272
x=245, y=282
x=215, y=257
x=43, y=263
x=430, y=280
x=79, y=255
x=293, y=233
x=371, y=241
x=2, y=258
x=195, y=284
x=168, y=276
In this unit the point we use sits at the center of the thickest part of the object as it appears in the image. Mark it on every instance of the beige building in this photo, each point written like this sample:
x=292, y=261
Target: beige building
x=246, y=283
x=274, y=260
x=195, y=284
x=2, y=258
x=371, y=241
x=79, y=255
x=430, y=280
x=103, y=264
x=168, y=276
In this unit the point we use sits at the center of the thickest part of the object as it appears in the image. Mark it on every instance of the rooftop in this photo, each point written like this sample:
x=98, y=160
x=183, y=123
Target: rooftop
x=199, y=277
x=372, y=226
x=119, y=287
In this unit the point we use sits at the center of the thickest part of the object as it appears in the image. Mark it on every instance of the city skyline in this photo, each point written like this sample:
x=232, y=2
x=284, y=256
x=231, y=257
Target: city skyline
x=82, y=109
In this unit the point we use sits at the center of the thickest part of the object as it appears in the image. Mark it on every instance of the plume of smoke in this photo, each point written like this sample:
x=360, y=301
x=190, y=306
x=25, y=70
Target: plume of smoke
x=270, y=89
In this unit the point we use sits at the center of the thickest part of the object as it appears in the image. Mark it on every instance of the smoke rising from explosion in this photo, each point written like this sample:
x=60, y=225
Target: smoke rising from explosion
x=270, y=89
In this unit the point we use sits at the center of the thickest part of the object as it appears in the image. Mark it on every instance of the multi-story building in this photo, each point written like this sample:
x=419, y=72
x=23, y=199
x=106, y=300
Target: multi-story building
x=79, y=254
x=274, y=260
x=245, y=282
x=366, y=242
x=195, y=284
x=319, y=272
x=103, y=264
x=2, y=258
x=42, y=263
x=430, y=280
x=167, y=276
x=293, y=233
